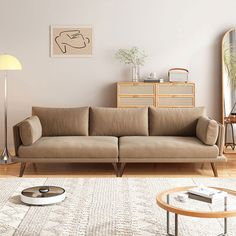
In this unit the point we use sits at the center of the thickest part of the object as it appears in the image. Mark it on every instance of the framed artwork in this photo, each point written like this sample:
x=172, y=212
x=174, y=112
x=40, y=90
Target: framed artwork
x=71, y=41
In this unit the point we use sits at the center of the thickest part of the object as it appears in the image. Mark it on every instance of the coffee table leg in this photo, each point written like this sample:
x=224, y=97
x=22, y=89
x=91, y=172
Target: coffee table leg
x=225, y=226
x=176, y=224
x=168, y=216
x=225, y=219
x=168, y=223
x=168, y=220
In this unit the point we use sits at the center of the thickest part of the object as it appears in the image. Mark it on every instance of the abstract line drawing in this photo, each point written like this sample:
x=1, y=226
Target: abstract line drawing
x=71, y=41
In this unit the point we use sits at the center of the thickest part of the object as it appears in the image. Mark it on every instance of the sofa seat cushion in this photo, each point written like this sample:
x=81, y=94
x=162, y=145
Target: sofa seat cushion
x=165, y=147
x=71, y=146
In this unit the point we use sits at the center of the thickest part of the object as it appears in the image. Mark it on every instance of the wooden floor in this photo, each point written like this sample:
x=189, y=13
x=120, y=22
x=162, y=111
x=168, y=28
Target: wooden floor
x=227, y=169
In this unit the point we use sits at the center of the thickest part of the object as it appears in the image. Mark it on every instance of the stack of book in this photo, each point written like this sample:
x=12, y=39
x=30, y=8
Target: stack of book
x=151, y=80
x=206, y=194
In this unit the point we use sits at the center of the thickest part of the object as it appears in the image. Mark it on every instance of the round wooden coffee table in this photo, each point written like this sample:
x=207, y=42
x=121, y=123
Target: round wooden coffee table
x=222, y=209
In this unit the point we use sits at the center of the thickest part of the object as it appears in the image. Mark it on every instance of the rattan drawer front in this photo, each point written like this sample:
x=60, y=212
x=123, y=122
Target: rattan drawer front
x=140, y=94
x=136, y=101
x=186, y=89
x=137, y=89
x=175, y=102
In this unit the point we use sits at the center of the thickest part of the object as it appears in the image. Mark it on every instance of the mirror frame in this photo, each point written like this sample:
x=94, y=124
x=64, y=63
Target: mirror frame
x=223, y=81
x=222, y=75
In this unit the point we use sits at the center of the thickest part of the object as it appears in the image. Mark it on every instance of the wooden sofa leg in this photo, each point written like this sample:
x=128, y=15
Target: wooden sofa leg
x=34, y=166
x=202, y=166
x=122, y=168
x=22, y=168
x=214, y=169
x=116, y=169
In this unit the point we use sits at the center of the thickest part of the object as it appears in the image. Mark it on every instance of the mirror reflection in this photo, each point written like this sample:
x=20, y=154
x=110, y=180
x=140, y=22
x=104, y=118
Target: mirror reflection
x=229, y=86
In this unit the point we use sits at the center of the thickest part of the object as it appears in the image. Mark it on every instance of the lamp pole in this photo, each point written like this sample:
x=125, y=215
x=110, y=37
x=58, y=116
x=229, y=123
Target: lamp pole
x=6, y=156
x=7, y=63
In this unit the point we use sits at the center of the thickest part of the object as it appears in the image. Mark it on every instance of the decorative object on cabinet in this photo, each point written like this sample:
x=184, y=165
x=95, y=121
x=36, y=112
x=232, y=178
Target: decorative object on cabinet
x=152, y=75
x=153, y=81
x=7, y=63
x=152, y=78
x=165, y=94
x=178, y=75
x=71, y=41
x=133, y=56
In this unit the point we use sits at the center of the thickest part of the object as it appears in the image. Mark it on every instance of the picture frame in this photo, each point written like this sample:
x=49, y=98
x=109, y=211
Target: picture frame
x=71, y=41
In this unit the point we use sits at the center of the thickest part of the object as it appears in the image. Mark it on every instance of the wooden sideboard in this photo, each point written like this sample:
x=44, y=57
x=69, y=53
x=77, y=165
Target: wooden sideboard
x=141, y=94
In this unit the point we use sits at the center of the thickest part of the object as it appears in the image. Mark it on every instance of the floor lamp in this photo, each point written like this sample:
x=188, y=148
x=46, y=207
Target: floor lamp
x=7, y=63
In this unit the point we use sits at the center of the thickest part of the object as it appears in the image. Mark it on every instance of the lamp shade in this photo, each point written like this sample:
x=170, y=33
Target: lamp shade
x=9, y=62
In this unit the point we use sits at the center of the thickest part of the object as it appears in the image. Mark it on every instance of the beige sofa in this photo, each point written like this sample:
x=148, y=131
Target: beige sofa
x=119, y=136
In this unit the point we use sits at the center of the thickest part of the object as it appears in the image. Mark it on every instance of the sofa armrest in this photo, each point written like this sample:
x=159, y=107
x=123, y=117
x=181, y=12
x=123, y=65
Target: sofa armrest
x=16, y=137
x=207, y=130
x=27, y=132
x=30, y=130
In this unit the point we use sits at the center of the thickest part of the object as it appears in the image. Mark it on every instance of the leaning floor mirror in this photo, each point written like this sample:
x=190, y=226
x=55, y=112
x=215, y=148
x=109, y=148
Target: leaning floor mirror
x=229, y=88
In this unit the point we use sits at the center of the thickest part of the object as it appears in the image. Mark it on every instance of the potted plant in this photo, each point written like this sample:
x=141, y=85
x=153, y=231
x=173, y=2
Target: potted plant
x=133, y=56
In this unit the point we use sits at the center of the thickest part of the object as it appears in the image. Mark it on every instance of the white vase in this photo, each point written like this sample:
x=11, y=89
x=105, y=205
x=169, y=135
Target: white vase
x=135, y=73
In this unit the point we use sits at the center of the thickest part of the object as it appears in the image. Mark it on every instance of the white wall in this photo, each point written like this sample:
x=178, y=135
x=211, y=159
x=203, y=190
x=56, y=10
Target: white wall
x=183, y=33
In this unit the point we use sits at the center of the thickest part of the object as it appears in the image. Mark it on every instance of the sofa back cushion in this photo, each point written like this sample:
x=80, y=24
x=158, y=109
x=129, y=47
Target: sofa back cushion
x=63, y=121
x=174, y=121
x=119, y=121
x=30, y=130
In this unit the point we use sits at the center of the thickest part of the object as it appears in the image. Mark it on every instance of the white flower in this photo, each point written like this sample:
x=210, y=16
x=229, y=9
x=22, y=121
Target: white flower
x=131, y=56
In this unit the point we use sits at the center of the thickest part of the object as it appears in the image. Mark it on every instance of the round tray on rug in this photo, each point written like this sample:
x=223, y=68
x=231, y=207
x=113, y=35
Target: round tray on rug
x=43, y=195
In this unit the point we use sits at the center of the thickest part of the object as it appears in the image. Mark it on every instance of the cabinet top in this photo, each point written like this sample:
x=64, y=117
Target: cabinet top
x=151, y=83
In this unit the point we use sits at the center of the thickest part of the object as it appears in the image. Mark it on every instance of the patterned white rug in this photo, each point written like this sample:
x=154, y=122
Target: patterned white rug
x=102, y=207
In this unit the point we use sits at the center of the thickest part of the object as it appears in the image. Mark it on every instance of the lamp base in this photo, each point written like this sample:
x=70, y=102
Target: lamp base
x=6, y=157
